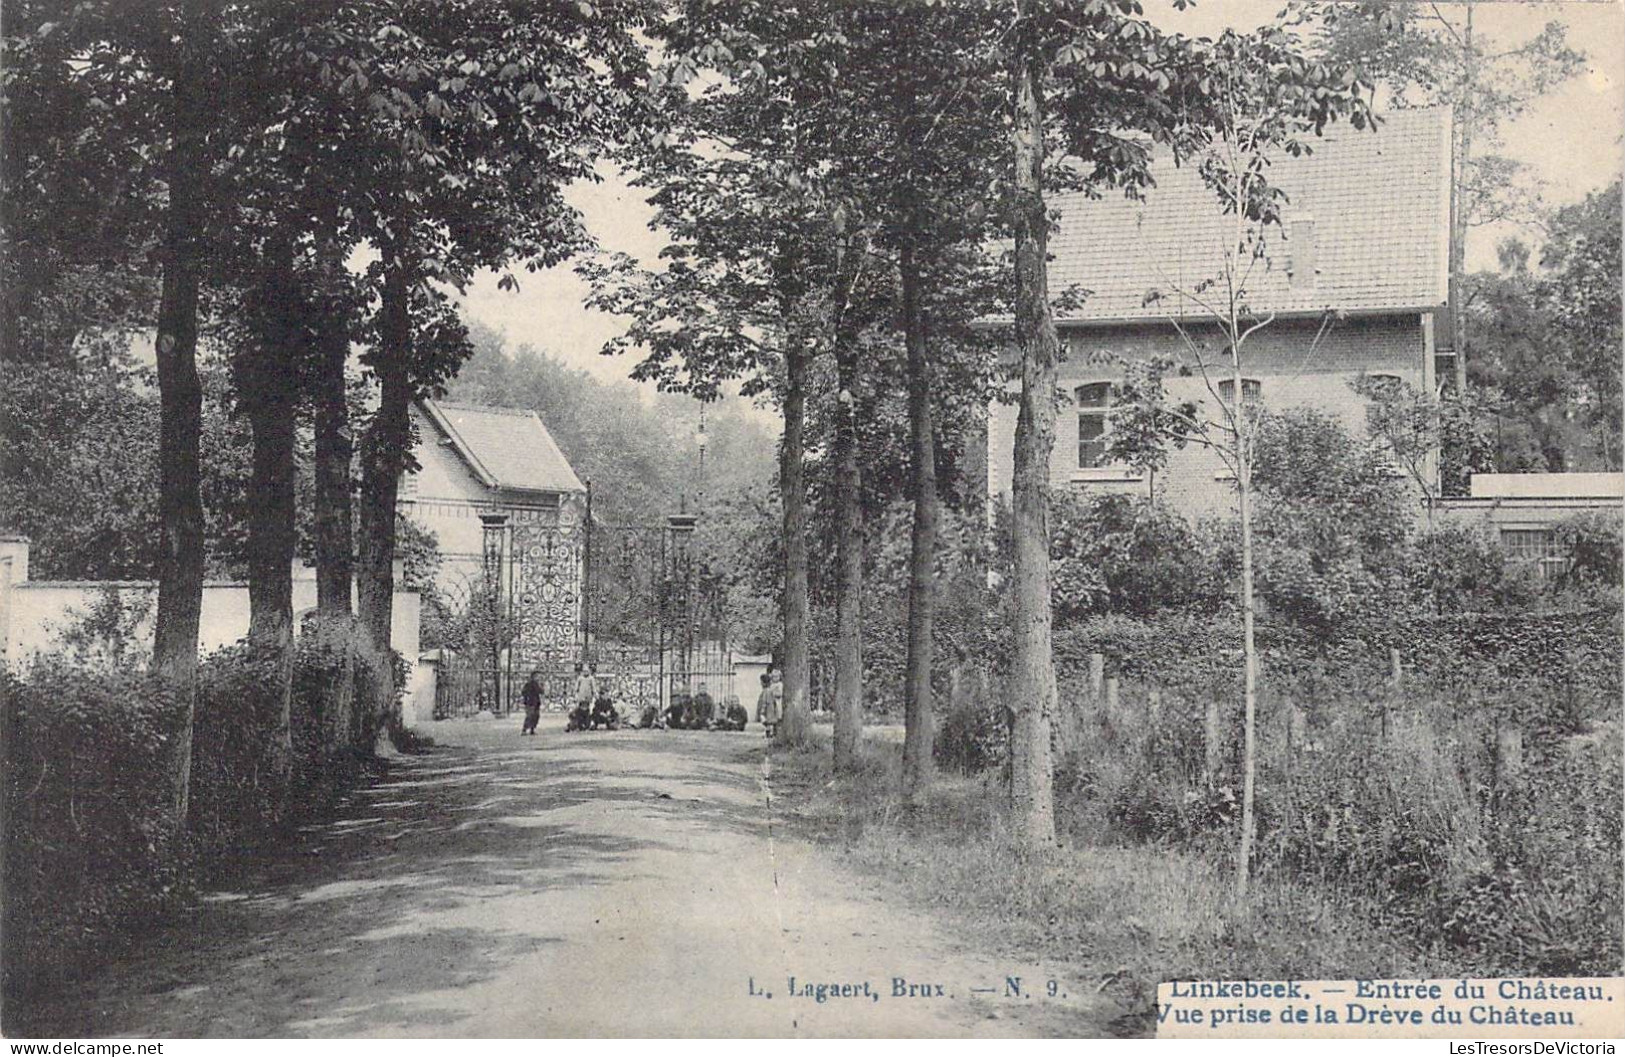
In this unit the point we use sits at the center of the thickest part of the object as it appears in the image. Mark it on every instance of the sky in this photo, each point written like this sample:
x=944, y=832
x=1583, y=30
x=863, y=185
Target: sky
x=1571, y=140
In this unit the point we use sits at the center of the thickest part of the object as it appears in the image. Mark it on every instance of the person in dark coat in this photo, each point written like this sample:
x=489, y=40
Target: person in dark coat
x=680, y=713
x=604, y=712
x=532, y=696
x=734, y=716
x=704, y=708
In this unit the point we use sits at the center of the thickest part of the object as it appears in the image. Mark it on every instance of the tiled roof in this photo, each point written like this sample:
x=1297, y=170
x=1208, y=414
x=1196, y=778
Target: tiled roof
x=505, y=447
x=1379, y=201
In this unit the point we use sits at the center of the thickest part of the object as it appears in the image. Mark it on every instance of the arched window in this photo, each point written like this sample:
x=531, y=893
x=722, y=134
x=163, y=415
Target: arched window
x=1094, y=403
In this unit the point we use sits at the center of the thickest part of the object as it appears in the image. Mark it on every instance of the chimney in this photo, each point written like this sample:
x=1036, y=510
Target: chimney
x=1301, y=252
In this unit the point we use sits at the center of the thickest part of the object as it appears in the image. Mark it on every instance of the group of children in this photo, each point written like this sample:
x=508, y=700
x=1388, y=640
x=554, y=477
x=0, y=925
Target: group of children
x=594, y=709
x=700, y=712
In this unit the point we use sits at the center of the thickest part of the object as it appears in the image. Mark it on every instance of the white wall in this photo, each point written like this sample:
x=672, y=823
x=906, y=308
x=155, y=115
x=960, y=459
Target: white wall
x=34, y=614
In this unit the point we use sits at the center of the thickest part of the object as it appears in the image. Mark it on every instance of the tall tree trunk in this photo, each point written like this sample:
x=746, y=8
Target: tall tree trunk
x=383, y=456
x=267, y=390
x=849, y=538
x=180, y=503
x=796, y=722
x=917, y=696
x=332, y=519
x=1032, y=668
x=332, y=515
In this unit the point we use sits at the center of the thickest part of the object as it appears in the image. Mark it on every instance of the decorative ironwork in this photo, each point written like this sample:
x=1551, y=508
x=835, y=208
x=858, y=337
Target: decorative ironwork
x=547, y=571
x=632, y=600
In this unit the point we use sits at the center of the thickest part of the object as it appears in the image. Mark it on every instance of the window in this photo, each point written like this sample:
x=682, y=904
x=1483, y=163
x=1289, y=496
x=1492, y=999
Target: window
x=1252, y=391
x=1094, y=403
x=1536, y=545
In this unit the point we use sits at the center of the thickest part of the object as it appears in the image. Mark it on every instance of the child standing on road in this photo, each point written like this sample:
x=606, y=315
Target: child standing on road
x=767, y=705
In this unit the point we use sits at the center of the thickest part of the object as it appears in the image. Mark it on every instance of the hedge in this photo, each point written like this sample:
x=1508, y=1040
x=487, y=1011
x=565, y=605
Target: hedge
x=88, y=821
x=86, y=760
x=1579, y=649
x=1560, y=651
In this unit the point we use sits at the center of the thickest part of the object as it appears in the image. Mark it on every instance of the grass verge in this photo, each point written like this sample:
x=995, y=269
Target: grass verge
x=1125, y=918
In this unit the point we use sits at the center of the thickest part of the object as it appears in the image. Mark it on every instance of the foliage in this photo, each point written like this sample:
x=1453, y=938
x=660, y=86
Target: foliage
x=80, y=456
x=1129, y=555
x=1414, y=429
x=1343, y=572
x=973, y=737
x=1424, y=54
x=1143, y=423
x=1593, y=545
x=1458, y=568
x=79, y=451
x=419, y=551
x=1565, y=653
x=232, y=804
x=106, y=635
x=1122, y=918
x=1398, y=796
x=88, y=806
x=958, y=640
x=1582, y=287
x=87, y=812
x=339, y=680
x=1529, y=415
x=641, y=454
x=1330, y=522
x=738, y=551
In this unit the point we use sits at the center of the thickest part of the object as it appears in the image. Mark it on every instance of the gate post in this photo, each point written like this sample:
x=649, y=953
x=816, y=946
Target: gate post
x=495, y=528
x=681, y=527
x=586, y=654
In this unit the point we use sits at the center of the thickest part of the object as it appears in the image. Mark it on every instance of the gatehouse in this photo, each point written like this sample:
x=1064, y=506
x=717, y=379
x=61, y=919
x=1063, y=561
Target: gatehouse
x=530, y=580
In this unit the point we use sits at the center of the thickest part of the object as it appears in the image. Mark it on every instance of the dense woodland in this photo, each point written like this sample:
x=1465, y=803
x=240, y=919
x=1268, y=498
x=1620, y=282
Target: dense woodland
x=235, y=235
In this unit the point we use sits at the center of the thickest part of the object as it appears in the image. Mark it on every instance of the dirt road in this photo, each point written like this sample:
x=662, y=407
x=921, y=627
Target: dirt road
x=628, y=883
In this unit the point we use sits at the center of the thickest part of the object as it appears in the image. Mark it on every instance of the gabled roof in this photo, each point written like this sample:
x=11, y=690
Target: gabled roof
x=1380, y=202
x=505, y=447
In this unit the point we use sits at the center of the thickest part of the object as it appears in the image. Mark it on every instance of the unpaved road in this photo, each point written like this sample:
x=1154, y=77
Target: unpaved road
x=628, y=883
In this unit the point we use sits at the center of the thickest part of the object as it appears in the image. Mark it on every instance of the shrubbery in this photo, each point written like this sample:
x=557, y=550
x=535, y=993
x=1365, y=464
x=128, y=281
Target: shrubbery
x=1116, y=554
x=88, y=815
x=1478, y=801
x=973, y=736
x=1340, y=555
x=236, y=796
x=1507, y=850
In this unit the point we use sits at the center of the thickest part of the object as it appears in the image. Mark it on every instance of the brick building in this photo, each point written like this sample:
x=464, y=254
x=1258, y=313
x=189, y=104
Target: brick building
x=1355, y=278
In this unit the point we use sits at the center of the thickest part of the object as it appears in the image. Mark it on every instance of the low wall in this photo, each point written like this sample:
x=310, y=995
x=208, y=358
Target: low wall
x=36, y=614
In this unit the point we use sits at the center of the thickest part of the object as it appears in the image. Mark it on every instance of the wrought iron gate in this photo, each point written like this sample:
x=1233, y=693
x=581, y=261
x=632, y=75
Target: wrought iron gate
x=635, y=601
